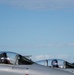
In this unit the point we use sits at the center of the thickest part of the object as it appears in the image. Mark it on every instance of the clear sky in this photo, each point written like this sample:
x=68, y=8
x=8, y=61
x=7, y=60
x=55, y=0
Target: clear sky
x=41, y=28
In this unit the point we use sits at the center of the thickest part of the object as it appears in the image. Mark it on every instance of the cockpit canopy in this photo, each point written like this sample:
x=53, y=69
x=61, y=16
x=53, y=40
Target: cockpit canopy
x=14, y=58
x=58, y=63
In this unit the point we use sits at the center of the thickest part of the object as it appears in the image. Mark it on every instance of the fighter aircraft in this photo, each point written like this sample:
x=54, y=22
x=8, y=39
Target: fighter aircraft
x=12, y=63
x=58, y=63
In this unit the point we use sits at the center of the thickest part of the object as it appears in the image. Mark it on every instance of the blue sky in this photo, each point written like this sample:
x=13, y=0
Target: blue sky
x=43, y=29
